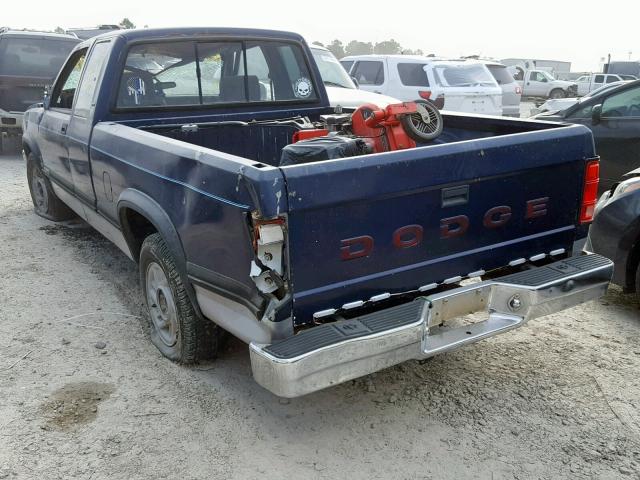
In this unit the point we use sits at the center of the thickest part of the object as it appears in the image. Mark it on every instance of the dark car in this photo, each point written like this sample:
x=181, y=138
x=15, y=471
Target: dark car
x=615, y=231
x=29, y=62
x=614, y=118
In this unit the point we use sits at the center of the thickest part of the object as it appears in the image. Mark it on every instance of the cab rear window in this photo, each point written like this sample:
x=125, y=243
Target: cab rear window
x=184, y=74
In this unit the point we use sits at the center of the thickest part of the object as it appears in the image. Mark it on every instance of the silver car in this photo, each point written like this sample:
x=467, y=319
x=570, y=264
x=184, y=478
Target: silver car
x=511, y=91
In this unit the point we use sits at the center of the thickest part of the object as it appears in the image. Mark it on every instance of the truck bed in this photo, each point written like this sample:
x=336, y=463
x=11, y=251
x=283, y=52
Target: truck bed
x=478, y=164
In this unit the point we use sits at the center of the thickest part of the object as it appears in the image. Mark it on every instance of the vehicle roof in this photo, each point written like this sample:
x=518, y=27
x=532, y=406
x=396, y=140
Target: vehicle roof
x=190, y=32
x=375, y=56
x=318, y=47
x=34, y=34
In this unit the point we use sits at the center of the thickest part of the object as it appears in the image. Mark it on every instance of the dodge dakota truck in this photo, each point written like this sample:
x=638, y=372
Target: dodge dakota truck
x=179, y=145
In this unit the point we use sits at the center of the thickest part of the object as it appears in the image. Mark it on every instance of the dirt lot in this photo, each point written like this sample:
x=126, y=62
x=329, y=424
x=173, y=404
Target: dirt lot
x=83, y=394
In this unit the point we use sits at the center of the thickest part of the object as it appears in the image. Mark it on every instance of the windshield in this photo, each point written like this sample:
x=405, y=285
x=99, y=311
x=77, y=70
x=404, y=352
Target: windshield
x=36, y=57
x=548, y=75
x=333, y=74
x=463, y=75
x=604, y=88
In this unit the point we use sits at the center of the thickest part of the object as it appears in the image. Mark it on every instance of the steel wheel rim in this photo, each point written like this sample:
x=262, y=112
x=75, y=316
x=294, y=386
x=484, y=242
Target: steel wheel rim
x=39, y=188
x=425, y=120
x=162, y=307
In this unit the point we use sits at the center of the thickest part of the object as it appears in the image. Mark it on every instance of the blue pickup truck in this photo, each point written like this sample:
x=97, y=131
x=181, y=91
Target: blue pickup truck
x=171, y=144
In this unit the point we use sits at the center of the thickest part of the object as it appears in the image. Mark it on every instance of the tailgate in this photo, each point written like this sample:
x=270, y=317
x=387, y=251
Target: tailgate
x=393, y=222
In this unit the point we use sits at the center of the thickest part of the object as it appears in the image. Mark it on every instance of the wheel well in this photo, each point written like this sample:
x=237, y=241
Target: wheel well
x=136, y=227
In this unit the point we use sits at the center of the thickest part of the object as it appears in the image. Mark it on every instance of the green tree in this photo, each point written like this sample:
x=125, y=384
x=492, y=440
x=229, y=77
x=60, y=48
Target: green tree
x=337, y=48
x=59, y=30
x=126, y=24
x=408, y=51
x=355, y=47
x=388, y=47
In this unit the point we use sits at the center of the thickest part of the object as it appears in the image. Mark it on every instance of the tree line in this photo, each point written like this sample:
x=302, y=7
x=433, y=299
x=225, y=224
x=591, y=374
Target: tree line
x=356, y=47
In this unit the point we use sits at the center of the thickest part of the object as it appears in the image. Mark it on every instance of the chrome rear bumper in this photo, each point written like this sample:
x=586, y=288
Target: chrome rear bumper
x=334, y=353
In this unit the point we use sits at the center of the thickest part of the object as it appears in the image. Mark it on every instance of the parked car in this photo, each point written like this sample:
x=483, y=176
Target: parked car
x=614, y=118
x=511, y=91
x=615, y=231
x=453, y=85
x=329, y=269
x=557, y=105
x=593, y=81
x=29, y=61
x=540, y=84
x=341, y=89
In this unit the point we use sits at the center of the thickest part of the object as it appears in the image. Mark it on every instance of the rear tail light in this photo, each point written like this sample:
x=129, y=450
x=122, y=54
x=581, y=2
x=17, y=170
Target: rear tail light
x=426, y=94
x=439, y=102
x=590, y=190
x=519, y=90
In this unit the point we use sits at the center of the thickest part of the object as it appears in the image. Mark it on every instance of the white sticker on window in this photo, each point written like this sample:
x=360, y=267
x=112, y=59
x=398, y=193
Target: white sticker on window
x=136, y=88
x=302, y=88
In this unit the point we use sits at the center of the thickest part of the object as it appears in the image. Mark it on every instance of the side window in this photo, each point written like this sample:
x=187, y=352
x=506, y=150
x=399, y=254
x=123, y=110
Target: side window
x=538, y=77
x=612, y=78
x=599, y=79
x=90, y=79
x=413, y=74
x=623, y=104
x=582, y=79
x=369, y=72
x=64, y=90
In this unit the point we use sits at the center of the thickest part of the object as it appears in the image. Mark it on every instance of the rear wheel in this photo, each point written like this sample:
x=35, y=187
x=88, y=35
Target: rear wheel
x=176, y=329
x=45, y=202
x=425, y=124
x=557, y=93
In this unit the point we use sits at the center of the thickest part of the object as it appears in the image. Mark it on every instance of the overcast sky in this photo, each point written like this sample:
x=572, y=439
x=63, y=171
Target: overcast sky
x=580, y=32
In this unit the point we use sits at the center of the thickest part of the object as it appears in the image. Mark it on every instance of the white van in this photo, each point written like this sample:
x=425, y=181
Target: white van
x=453, y=85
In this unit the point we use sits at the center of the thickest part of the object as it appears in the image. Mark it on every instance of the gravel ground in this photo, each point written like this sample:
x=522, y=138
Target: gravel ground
x=85, y=395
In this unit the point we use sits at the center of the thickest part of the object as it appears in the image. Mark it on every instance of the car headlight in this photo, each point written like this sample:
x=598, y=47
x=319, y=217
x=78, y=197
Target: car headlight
x=627, y=186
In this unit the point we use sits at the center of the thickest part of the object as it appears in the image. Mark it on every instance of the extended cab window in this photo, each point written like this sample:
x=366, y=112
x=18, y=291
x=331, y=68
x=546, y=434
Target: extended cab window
x=210, y=73
x=65, y=88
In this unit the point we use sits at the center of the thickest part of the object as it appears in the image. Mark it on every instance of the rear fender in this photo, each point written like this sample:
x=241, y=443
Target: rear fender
x=153, y=211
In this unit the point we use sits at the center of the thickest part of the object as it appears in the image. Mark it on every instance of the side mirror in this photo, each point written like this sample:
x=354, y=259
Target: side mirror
x=596, y=114
x=355, y=80
x=46, y=99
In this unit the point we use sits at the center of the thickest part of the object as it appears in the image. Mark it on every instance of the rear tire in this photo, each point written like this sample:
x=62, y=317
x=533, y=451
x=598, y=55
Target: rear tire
x=176, y=329
x=557, y=93
x=45, y=202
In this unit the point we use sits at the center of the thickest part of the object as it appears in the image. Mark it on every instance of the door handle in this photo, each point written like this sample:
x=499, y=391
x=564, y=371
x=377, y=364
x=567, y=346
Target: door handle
x=63, y=129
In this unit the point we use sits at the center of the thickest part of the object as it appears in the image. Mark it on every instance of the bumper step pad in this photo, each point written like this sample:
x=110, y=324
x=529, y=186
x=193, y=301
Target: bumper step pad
x=332, y=333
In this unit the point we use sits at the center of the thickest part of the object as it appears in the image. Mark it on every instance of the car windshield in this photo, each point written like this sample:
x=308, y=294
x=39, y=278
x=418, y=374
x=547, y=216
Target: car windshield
x=463, y=75
x=548, y=75
x=333, y=74
x=36, y=57
x=501, y=74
